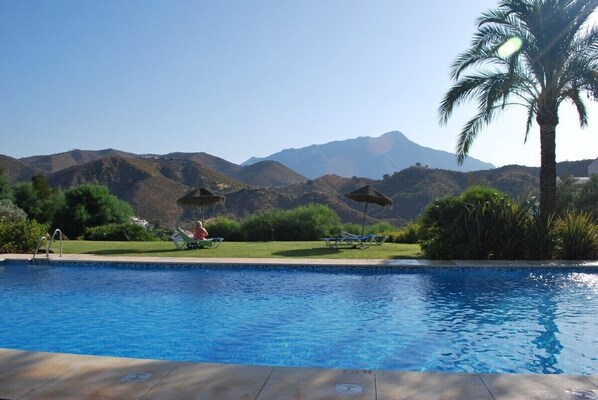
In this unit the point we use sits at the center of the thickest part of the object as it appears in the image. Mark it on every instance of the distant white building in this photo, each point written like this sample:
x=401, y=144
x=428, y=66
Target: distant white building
x=580, y=180
x=140, y=222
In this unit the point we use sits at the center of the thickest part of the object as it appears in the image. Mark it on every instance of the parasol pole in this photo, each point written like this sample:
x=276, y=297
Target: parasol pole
x=364, y=213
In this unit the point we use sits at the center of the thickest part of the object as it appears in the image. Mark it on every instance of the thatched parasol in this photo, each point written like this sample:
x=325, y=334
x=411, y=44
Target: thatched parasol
x=200, y=197
x=368, y=194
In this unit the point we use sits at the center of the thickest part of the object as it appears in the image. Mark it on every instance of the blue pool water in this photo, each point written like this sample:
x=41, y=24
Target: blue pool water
x=462, y=320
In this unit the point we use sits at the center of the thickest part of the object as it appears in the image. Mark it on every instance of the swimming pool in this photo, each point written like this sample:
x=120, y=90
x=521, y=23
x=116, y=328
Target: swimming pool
x=509, y=320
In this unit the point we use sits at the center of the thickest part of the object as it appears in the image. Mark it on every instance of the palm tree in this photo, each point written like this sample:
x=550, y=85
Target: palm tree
x=534, y=53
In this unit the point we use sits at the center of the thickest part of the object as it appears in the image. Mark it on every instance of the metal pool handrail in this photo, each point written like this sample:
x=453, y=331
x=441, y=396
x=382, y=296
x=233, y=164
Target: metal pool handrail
x=48, y=244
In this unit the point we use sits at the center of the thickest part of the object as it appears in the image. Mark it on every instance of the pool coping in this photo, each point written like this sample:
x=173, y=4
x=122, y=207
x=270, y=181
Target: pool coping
x=41, y=375
x=415, y=263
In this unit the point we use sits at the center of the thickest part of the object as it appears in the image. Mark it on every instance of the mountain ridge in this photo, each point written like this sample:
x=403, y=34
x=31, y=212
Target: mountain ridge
x=152, y=185
x=371, y=157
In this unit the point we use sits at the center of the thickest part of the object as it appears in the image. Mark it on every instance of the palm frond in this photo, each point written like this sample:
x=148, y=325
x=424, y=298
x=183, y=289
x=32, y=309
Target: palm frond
x=470, y=131
x=574, y=96
x=463, y=90
x=531, y=113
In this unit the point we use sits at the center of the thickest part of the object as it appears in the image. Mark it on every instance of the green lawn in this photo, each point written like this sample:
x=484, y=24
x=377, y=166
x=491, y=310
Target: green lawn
x=316, y=249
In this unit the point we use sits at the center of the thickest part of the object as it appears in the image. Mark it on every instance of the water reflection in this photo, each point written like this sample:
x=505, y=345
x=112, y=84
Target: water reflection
x=547, y=342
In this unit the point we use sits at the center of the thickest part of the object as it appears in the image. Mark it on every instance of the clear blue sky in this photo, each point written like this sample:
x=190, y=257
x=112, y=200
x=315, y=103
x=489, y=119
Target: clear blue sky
x=237, y=79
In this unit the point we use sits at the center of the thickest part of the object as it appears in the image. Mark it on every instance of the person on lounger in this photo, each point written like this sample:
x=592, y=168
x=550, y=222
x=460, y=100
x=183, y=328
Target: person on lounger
x=199, y=232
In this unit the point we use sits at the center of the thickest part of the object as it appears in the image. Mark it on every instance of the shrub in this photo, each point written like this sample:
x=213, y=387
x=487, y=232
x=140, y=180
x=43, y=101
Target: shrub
x=482, y=223
x=160, y=233
x=87, y=206
x=5, y=188
x=10, y=212
x=540, y=236
x=20, y=237
x=576, y=237
x=376, y=229
x=311, y=222
x=39, y=204
x=442, y=233
x=226, y=228
x=258, y=227
x=587, y=198
x=408, y=234
x=128, y=232
x=351, y=228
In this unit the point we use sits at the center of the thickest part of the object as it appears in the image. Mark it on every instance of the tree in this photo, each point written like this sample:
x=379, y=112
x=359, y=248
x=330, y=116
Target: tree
x=566, y=194
x=5, y=189
x=41, y=186
x=587, y=197
x=10, y=212
x=534, y=53
x=87, y=206
x=40, y=205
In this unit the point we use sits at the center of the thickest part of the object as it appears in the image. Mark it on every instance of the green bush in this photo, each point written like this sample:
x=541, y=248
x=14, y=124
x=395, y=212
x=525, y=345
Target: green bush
x=127, y=232
x=572, y=196
x=311, y=222
x=587, y=198
x=160, y=233
x=258, y=227
x=576, y=237
x=10, y=212
x=351, y=228
x=227, y=228
x=20, y=237
x=540, y=236
x=408, y=234
x=442, y=233
x=376, y=229
x=86, y=206
x=37, y=201
x=5, y=188
x=482, y=223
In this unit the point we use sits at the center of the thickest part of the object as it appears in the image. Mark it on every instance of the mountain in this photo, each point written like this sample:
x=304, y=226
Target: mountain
x=216, y=163
x=57, y=162
x=573, y=168
x=153, y=183
x=269, y=173
x=150, y=185
x=412, y=189
x=17, y=170
x=368, y=157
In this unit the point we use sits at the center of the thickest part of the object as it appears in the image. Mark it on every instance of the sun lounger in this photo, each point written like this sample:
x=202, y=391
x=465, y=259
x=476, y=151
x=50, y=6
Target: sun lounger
x=183, y=240
x=352, y=241
x=378, y=239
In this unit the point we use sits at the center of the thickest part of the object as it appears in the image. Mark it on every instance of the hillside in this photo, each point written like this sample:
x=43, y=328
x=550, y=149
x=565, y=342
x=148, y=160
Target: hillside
x=269, y=174
x=574, y=168
x=57, y=162
x=151, y=186
x=216, y=163
x=153, y=183
x=17, y=170
x=368, y=157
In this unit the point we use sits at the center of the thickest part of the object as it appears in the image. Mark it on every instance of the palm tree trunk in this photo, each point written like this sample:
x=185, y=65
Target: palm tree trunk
x=547, y=169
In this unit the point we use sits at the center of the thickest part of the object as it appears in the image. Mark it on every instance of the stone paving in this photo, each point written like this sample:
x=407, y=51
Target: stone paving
x=43, y=376
x=38, y=375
